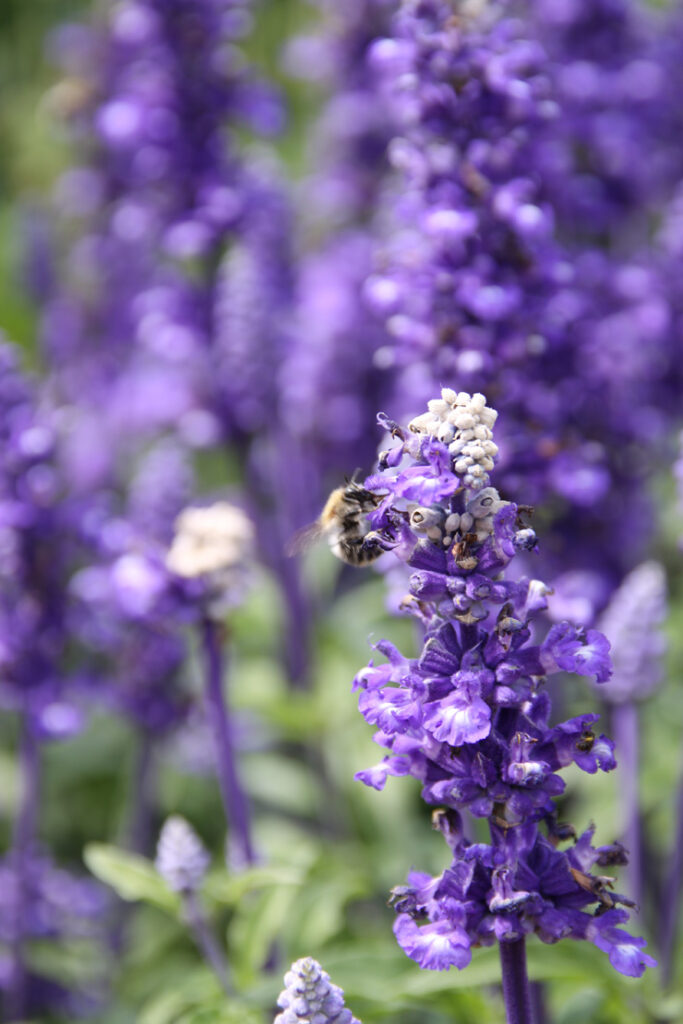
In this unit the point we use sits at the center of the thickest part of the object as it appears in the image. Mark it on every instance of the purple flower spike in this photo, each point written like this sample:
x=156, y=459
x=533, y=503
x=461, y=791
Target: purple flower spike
x=515, y=255
x=633, y=622
x=469, y=718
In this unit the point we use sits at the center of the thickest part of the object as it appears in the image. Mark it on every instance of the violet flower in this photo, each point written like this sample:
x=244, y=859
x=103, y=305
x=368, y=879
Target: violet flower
x=311, y=998
x=175, y=309
x=611, y=81
x=40, y=902
x=330, y=383
x=478, y=280
x=470, y=716
x=40, y=539
x=350, y=137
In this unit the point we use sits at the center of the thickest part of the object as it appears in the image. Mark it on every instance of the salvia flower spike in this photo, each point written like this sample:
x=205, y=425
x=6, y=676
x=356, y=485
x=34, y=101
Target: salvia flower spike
x=470, y=717
x=182, y=859
x=310, y=997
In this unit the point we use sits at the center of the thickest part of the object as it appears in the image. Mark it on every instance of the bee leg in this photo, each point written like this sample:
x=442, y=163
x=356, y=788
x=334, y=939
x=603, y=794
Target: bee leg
x=374, y=540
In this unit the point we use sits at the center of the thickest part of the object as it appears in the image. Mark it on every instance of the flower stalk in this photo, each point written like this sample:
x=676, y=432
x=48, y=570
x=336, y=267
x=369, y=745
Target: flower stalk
x=516, y=989
x=23, y=839
x=671, y=894
x=205, y=939
x=232, y=793
x=142, y=795
x=626, y=729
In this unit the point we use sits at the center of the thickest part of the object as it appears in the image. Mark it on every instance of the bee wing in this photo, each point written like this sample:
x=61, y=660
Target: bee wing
x=303, y=539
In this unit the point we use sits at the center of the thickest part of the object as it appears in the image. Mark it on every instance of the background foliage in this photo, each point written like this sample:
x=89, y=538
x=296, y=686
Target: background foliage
x=330, y=849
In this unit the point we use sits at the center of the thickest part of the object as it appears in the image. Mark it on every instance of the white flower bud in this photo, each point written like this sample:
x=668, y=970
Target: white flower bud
x=421, y=424
x=463, y=422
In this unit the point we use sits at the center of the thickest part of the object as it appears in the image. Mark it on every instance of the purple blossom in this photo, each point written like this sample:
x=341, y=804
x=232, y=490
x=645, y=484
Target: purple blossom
x=573, y=650
x=470, y=716
x=41, y=902
x=488, y=271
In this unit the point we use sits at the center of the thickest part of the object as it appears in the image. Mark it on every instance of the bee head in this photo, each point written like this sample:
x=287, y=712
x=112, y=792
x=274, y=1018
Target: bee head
x=357, y=495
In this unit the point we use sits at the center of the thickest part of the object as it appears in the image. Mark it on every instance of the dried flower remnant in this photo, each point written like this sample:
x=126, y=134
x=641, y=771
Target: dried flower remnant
x=216, y=544
x=470, y=719
x=311, y=998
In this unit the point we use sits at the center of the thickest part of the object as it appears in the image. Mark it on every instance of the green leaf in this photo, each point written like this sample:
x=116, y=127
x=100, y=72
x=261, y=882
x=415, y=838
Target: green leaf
x=133, y=877
x=230, y=889
x=197, y=999
x=257, y=923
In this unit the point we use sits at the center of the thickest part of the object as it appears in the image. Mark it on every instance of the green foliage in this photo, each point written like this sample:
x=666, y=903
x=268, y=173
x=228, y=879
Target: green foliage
x=131, y=876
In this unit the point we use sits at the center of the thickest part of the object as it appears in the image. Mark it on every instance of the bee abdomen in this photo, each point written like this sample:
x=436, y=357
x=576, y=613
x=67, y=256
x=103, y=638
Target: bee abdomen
x=357, y=550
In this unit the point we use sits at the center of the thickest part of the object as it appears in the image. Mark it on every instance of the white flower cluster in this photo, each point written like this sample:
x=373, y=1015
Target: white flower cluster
x=182, y=860
x=463, y=422
x=477, y=518
x=311, y=998
x=216, y=542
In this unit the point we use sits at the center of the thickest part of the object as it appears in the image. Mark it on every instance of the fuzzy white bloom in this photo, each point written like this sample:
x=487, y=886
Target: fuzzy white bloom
x=215, y=542
x=465, y=423
x=209, y=540
x=311, y=998
x=182, y=860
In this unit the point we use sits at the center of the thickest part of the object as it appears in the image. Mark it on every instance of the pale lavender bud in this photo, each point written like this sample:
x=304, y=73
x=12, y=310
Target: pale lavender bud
x=632, y=622
x=311, y=998
x=182, y=860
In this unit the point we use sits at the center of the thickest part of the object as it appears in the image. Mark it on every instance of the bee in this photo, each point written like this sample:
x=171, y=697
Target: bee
x=464, y=559
x=585, y=742
x=342, y=523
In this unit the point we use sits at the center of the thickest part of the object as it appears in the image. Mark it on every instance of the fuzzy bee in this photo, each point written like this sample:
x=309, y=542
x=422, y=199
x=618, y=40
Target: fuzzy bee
x=342, y=523
x=586, y=741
